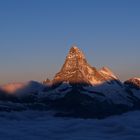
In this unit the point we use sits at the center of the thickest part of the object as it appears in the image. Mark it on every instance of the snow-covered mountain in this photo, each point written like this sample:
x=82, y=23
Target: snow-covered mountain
x=82, y=90
x=133, y=83
x=77, y=90
x=77, y=70
x=133, y=86
x=107, y=73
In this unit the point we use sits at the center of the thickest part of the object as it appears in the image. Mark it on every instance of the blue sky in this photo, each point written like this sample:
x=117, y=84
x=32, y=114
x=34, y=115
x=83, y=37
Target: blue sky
x=35, y=36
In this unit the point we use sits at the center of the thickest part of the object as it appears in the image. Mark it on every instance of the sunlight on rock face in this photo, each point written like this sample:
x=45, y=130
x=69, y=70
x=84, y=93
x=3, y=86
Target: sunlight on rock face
x=76, y=69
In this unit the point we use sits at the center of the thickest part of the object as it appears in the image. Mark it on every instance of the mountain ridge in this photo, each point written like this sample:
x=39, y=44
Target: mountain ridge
x=76, y=69
x=77, y=90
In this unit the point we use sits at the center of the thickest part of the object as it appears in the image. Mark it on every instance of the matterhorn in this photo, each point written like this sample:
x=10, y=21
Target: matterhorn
x=77, y=90
x=76, y=69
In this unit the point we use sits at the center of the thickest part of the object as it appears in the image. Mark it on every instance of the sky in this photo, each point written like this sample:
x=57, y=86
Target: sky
x=36, y=35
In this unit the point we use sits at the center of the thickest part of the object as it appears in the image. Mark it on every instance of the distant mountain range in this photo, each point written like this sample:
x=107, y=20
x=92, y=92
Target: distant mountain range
x=77, y=90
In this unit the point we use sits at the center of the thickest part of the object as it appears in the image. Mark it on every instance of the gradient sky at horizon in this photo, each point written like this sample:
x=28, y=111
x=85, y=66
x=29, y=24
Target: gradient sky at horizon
x=35, y=36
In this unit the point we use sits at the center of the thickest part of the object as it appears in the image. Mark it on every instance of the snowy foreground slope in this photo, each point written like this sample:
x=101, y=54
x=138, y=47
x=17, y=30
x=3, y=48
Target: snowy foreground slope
x=34, y=125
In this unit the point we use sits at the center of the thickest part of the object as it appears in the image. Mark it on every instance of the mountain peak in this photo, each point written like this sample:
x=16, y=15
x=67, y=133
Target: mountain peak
x=107, y=72
x=74, y=47
x=134, y=82
x=72, y=69
x=76, y=69
x=75, y=53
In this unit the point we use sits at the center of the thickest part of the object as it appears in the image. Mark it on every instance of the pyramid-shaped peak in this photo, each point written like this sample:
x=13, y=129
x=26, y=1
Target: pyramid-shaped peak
x=76, y=69
x=75, y=52
x=74, y=47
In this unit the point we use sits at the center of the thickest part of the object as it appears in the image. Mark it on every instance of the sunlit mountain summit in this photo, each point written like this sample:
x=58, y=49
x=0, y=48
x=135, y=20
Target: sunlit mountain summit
x=76, y=69
x=77, y=90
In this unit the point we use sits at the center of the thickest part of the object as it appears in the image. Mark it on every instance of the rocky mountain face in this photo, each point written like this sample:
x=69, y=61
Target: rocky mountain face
x=133, y=83
x=77, y=70
x=77, y=90
x=133, y=86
